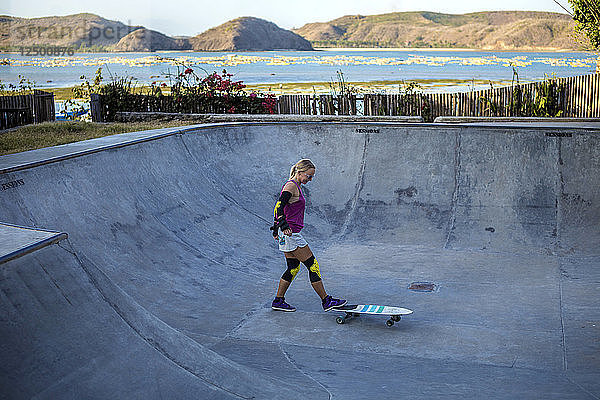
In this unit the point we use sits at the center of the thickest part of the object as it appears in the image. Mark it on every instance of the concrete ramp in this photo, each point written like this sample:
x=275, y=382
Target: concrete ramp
x=163, y=288
x=17, y=241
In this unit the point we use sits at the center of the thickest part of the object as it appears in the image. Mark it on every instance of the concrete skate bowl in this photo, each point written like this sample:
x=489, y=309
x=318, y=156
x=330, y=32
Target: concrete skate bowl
x=163, y=287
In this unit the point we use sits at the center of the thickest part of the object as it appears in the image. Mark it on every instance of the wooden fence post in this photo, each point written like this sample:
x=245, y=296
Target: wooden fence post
x=96, y=109
x=595, y=96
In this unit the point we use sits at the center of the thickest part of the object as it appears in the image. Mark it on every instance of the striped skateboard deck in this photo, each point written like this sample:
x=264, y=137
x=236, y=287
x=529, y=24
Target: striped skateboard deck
x=354, y=310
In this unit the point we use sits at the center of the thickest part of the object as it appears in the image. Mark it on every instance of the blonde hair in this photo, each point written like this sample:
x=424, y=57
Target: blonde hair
x=303, y=165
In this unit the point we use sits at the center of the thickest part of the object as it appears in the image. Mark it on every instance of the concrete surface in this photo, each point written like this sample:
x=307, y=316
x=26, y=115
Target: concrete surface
x=17, y=241
x=163, y=288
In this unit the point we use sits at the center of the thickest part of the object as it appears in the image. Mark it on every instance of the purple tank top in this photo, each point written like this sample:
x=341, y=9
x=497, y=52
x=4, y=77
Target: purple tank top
x=294, y=213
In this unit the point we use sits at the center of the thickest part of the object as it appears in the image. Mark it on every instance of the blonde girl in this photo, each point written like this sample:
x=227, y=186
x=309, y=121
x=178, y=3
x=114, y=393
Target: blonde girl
x=288, y=222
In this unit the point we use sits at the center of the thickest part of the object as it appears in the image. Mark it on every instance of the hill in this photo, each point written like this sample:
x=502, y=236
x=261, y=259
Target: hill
x=248, y=33
x=495, y=30
x=91, y=32
x=144, y=39
x=78, y=30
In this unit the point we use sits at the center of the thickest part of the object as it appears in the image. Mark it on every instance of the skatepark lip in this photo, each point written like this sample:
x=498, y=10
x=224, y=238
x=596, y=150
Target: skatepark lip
x=165, y=281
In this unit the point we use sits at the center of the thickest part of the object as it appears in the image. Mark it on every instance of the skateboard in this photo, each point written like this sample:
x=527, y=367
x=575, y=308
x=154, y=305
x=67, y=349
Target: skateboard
x=354, y=310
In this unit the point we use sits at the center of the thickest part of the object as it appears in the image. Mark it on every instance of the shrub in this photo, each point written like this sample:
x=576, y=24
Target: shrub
x=186, y=92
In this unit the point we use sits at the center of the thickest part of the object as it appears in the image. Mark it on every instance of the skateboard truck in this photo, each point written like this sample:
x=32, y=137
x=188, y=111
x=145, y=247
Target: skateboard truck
x=343, y=318
x=393, y=318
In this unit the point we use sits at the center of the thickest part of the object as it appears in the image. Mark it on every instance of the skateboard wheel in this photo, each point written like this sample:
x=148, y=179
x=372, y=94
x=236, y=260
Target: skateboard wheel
x=396, y=318
x=389, y=323
x=340, y=320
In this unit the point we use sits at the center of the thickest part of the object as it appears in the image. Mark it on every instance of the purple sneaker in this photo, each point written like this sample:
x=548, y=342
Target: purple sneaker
x=330, y=303
x=279, y=304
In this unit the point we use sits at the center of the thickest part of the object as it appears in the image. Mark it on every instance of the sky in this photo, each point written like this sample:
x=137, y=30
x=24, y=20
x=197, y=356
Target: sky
x=191, y=17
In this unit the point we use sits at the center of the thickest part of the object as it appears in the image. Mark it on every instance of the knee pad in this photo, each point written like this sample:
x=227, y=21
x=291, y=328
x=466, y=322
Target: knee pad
x=313, y=269
x=293, y=266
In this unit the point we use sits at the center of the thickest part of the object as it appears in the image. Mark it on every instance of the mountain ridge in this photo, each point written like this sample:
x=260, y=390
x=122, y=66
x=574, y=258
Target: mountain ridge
x=486, y=30
x=489, y=30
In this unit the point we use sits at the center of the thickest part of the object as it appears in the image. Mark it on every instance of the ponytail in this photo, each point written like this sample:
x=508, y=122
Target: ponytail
x=303, y=165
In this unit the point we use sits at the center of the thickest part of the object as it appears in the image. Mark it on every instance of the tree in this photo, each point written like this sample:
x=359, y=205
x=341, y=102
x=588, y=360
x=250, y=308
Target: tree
x=587, y=15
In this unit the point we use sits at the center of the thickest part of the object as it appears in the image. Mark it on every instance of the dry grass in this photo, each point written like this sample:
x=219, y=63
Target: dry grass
x=48, y=134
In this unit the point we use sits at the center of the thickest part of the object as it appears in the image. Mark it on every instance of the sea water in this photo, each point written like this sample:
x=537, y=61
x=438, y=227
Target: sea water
x=454, y=67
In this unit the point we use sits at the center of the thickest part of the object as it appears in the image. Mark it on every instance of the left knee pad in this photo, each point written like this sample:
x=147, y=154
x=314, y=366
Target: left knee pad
x=313, y=269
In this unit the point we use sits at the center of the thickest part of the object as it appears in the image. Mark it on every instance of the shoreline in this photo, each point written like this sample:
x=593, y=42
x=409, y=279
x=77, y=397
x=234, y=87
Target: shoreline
x=452, y=49
x=324, y=87
x=369, y=49
x=349, y=49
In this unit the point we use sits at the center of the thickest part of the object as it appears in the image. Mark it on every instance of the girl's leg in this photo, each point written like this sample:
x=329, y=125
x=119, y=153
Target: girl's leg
x=304, y=254
x=320, y=289
x=283, y=287
x=290, y=274
x=279, y=303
